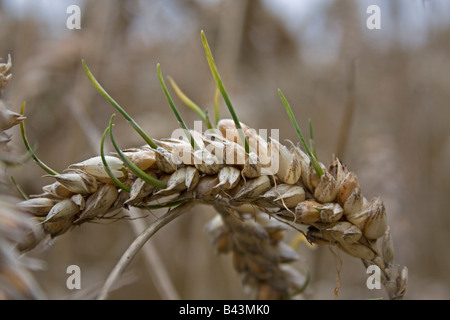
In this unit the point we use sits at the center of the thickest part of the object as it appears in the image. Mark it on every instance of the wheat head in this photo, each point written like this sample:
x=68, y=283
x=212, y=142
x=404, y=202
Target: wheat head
x=16, y=226
x=231, y=168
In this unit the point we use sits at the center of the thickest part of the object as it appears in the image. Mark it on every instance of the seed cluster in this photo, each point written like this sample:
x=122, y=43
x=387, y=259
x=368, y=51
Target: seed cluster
x=251, y=192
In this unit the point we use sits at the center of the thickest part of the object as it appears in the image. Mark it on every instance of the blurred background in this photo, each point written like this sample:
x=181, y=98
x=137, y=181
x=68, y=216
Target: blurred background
x=379, y=99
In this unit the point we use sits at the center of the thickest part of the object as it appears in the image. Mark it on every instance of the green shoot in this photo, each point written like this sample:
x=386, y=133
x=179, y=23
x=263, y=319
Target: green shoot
x=174, y=108
x=19, y=189
x=216, y=105
x=138, y=172
x=116, y=105
x=27, y=146
x=209, y=125
x=305, y=284
x=191, y=104
x=311, y=139
x=319, y=209
x=107, y=169
x=219, y=83
x=313, y=159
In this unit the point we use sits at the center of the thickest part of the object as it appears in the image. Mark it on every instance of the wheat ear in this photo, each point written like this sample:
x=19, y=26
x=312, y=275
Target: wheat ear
x=16, y=226
x=225, y=171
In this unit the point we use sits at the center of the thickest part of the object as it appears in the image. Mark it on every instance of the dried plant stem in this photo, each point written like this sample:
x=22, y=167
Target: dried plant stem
x=137, y=244
x=156, y=268
x=17, y=229
x=349, y=110
x=343, y=138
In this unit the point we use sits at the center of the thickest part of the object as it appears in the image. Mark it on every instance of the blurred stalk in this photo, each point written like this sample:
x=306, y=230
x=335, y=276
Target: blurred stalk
x=231, y=35
x=349, y=110
x=138, y=243
x=157, y=271
x=343, y=137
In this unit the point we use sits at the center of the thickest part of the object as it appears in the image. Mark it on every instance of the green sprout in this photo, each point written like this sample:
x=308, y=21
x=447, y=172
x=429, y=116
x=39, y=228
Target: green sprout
x=305, y=284
x=116, y=105
x=105, y=164
x=174, y=108
x=138, y=172
x=221, y=87
x=191, y=104
x=27, y=146
x=19, y=189
x=216, y=105
x=311, y=156
x=311, y=139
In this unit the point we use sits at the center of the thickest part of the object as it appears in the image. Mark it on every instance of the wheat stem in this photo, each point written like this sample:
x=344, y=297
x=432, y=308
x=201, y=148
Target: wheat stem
x=156, y=269
x=162, y=205
x=137, y=244
x=348, y=113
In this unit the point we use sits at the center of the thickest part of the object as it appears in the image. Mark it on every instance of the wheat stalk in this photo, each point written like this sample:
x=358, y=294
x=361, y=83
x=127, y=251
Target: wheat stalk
x=229, y=167
x=137, y=245
x=17, y=228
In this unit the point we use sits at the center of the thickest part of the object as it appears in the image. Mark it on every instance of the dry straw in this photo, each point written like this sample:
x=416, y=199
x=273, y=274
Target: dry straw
x=16, y=227
x=255, y=205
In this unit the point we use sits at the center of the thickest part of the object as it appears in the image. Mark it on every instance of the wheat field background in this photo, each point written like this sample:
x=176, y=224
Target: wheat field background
x=397, y=137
